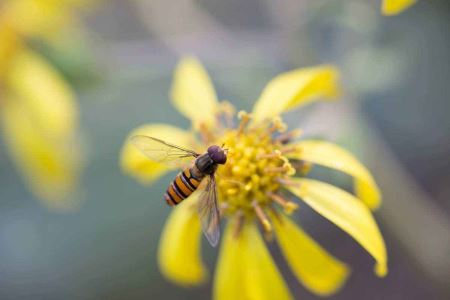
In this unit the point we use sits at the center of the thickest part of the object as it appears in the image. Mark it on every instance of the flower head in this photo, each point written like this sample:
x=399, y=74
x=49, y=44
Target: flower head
x=265, y=170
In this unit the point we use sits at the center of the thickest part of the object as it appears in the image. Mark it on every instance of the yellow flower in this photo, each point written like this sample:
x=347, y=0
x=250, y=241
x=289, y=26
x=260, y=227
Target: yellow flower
x=40, y=18
x=394, y=7
x=38, y=112
x=266, y=166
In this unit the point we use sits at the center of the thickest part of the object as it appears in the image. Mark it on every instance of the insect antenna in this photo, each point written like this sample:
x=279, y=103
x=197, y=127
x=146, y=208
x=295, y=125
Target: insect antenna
x=224, y=149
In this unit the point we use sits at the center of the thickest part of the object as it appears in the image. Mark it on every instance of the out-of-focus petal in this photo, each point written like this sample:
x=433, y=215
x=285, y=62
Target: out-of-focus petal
x=245, y=268
x=136, y=164
x=318, y=270
x=37, y=17
x=193, y=93
x=45, y=94
x=81, y=3
x=50, y=165
x=179, y=253
x=333, y=156
x=393, y=7
x=10, y=43
x=348, y=213
x=295, y=88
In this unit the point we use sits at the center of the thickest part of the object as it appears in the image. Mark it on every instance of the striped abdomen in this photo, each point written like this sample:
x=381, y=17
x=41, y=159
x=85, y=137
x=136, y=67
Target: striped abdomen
x=181, y=187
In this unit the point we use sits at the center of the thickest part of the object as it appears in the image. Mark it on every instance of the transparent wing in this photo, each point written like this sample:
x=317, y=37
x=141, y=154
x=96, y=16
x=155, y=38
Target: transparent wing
x=209, y=212
x=161, y=151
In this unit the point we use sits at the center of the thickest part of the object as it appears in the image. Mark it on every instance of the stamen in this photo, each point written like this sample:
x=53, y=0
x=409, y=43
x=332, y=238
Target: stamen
x=277, y=125
x=227, y=110
x=286, y=168
x=239, y=223
x=232, y=181
x=205, y=134
x=287, y=181
x=288, y=136
x=289, y=169
x=274, y=154
x=288, y=206
x=275, y=169
x=289, y=149
x=302, y=167
x=245, y=118
x=262, y=217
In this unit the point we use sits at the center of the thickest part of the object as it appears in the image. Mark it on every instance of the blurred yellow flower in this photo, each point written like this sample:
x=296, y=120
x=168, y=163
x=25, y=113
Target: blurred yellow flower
x=41, y=18
x=266, y=166
x=394, y=7
x=38, y=115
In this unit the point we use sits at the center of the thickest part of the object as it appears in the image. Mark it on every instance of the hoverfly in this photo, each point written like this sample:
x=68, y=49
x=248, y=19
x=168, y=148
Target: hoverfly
x=187, y=181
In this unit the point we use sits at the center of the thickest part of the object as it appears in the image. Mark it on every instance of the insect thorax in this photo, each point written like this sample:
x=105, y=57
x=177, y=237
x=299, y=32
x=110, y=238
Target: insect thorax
x=205, y=164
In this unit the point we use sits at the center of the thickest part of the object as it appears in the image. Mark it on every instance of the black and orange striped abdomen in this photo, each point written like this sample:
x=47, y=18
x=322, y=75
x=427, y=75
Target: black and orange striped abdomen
x=181, y=187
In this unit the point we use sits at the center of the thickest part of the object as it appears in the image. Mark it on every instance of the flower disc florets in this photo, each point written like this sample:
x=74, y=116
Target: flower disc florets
x=249, y=182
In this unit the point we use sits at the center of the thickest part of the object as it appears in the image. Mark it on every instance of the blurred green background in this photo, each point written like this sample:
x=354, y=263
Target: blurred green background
x=394, y=115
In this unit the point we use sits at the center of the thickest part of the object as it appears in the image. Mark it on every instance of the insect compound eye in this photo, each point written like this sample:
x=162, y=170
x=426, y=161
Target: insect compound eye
x=213, y=149
x=217, y=154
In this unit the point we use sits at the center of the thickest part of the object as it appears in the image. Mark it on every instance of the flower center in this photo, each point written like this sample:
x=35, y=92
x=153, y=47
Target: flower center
x=248, y=183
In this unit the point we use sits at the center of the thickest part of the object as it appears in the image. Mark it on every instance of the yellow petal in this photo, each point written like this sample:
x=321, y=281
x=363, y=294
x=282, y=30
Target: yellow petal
x=318, y=270
x=295, y=88
x=193, y=93
x=228, y=278
x=136, y=164
x=37, y=17
x=335, y=157
x=393, y=7
x=9, y=45
x=179, y=253
x=46, y=95
x=50, y=165
x=348, y=213
x=245, y=268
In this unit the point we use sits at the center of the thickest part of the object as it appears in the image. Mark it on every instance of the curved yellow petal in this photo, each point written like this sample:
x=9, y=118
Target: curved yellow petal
x=45, y=94
x=50, y=165
x=295, y=88
x=136, y=164
x=394, y=7
x=193, y=93
x=348, y=213
x=245, y=268
x=179, y=253
x=335, y=157
x=318, y=270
